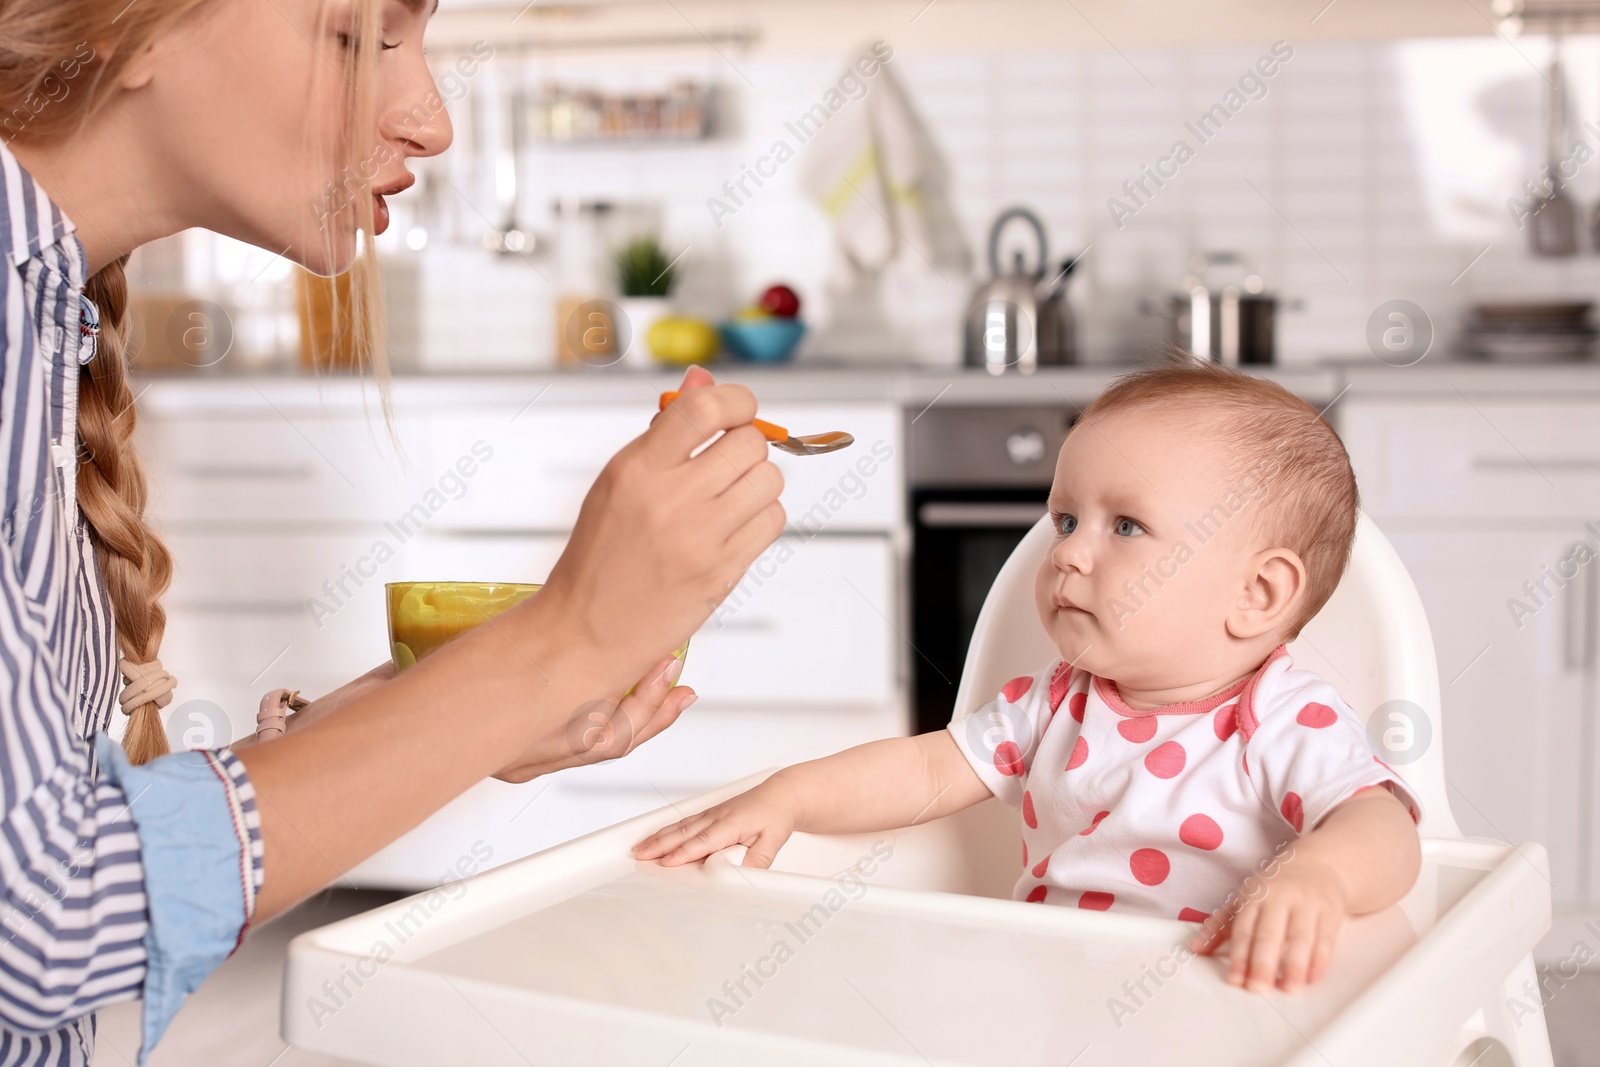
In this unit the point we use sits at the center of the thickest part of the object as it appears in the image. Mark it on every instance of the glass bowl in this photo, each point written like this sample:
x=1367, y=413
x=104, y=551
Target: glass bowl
x=423, y=616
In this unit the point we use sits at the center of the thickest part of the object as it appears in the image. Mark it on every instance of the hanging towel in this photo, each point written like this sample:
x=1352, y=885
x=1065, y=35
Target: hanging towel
x=867, y=168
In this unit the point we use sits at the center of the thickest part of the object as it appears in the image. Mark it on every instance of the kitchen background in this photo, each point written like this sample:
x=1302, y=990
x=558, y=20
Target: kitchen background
x=1369, y=194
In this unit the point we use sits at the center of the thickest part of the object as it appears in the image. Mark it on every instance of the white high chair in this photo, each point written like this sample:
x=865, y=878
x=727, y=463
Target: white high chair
x=580, y=955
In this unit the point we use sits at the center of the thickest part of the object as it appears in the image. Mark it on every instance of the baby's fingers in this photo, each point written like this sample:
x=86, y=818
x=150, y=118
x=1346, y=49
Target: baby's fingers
x=1244, y=925
x=668, y=837
x=764, y=849
x=1299, y=943
x=1266, y=945
x=1322, y=954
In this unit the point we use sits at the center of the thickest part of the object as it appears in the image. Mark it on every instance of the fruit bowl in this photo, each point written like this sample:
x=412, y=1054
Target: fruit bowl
x=768, y=340
x=425, y=616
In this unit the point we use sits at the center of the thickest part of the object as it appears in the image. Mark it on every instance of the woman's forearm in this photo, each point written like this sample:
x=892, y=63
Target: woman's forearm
x=864, y=789
x=334, y=792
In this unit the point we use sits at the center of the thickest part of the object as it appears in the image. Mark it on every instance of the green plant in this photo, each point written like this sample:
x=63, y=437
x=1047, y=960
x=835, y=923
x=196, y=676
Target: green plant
x=643, y=268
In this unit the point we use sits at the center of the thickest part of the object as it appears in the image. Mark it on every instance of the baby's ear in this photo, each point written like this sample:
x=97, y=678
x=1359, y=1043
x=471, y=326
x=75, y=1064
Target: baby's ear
x=1273, y=587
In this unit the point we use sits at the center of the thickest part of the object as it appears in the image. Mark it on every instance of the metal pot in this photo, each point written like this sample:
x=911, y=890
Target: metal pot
x=1231, y=324
x=1017, y=319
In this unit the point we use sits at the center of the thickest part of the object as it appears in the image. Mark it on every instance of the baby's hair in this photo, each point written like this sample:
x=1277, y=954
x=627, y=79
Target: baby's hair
x=1273, y=439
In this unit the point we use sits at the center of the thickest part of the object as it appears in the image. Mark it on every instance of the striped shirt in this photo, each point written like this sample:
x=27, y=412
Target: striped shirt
x=73, y=870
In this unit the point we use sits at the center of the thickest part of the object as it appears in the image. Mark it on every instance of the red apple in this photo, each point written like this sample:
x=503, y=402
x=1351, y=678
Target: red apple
x=781, y=301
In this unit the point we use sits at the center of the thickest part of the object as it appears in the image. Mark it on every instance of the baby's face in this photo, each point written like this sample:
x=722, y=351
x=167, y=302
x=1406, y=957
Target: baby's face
x=1155, y=544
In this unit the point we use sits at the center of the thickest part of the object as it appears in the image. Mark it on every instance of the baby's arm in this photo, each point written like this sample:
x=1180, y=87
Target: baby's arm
x=883, y=785
x=1363, y=857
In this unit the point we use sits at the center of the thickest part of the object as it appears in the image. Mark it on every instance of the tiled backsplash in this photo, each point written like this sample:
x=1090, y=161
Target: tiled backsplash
x=1359, y=173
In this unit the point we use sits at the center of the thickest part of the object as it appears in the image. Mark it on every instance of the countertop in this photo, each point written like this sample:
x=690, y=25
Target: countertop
x=911, y=387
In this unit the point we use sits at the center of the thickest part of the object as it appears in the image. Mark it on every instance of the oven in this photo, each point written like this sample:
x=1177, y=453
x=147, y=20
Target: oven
x=979, y=478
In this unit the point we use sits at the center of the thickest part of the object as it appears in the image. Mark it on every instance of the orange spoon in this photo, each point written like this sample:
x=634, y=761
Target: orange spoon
x=811, y=445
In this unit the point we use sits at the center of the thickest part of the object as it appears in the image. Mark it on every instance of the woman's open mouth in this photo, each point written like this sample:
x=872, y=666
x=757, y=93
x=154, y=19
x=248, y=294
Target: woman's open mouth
x=380, y=207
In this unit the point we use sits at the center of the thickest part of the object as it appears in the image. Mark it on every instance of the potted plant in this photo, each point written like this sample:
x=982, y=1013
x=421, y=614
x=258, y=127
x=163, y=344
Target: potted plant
x=644, y=278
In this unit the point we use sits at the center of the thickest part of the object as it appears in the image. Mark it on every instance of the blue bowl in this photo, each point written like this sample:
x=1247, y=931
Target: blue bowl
x=762, y=340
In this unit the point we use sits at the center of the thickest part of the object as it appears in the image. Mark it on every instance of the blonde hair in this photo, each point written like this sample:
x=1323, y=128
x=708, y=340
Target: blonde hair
x=1273, y=440
x=45, y=95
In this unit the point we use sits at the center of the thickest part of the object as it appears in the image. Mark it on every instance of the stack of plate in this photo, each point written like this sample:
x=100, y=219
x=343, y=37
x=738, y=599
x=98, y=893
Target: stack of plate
x=1530, y=332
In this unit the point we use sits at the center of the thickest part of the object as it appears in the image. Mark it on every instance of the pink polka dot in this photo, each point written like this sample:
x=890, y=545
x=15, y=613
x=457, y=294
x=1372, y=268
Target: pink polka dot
x=1086, y=831
x=1060, y=682
x=1040, y=867
x=1150, y=865
x=1193, y=915
x=1245, y=759
x=1027, y=811
x=1095, y=901
x=1294, y=810
x=1076, y=705
x=1201, y=831
x=1225, y=721
x=1008, y=759
x=1080, y=752
x=1138, y=730
x=1317, y=716
x=1024, y=853
x=1036, y=894
x=1017, y=688
x=1166, y=760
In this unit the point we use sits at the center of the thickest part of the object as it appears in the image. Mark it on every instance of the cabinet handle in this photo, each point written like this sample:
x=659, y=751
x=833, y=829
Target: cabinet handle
x=228, y=473
x=1578, y=651
x=1517, y=465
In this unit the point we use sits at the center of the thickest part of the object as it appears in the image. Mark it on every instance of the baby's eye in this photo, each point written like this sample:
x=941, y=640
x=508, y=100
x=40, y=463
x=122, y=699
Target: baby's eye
x=1065, y=524
x=1128, y=528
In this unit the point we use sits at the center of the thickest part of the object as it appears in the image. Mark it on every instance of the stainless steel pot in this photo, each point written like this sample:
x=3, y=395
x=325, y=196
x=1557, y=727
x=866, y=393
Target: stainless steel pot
x=1232, y=324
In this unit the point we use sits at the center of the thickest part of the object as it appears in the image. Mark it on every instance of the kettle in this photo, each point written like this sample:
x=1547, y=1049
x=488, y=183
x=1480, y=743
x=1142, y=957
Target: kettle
x=1017, y=319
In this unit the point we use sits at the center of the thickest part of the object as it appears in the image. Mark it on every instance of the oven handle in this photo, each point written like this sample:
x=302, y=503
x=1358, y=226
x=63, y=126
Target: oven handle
x=945, y=515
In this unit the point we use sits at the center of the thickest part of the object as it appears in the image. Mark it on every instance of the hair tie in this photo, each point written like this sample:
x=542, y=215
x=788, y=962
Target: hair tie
x=148, y=683
x=272, y=718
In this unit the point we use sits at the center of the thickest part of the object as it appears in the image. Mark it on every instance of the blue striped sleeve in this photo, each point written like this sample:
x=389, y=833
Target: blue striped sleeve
x=72, y=889
x=200, y=838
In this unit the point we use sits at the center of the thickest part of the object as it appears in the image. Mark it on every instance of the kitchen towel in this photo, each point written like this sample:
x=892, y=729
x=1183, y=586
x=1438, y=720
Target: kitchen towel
x=870, y=167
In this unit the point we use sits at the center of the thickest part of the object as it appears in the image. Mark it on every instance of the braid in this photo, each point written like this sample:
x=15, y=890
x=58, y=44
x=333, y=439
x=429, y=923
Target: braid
x=134, y=564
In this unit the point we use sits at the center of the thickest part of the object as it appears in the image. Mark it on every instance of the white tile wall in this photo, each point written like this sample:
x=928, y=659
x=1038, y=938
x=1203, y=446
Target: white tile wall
x=1344, y=153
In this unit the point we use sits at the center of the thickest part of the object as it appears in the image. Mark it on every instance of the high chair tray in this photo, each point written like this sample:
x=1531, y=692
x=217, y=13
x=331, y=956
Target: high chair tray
x=582, y=956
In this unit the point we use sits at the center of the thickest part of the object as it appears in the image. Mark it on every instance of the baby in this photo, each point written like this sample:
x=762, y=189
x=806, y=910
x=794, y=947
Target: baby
x=1201, y=517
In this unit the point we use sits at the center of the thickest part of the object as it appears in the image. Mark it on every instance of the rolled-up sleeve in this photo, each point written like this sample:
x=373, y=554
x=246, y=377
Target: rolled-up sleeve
x=200, y=843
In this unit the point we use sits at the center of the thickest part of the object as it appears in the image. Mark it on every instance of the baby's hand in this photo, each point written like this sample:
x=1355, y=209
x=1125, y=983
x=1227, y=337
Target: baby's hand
x=1285, y=935
x=762, y=818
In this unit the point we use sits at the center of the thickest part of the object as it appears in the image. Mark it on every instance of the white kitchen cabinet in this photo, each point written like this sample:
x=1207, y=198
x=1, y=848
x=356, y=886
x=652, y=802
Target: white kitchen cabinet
x=282, y=467
x=1514, y=696
x=1480, y=458
x=545, y=458
x=1479, y=497
x=248, y=612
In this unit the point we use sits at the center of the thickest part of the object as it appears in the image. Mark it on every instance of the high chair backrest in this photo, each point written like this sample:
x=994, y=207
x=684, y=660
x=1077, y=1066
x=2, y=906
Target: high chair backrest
x=1370, y=641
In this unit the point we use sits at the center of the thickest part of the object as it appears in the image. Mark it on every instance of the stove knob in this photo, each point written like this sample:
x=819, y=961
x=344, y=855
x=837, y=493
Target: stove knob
x=1025, y=446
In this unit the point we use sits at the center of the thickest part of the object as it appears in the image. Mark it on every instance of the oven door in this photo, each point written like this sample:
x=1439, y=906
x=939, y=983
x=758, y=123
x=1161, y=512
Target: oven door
x=962, y=537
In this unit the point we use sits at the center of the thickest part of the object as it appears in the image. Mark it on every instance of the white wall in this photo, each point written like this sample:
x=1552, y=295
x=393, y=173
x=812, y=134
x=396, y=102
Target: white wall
x=1368, y=171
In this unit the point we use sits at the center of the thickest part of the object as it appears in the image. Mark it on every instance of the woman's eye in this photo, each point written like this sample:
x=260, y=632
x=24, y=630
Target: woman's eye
x=347, y=41
x=1065, y=524
x=1128, y=528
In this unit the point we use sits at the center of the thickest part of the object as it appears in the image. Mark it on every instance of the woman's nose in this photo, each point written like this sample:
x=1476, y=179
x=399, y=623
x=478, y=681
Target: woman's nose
x=417, y=118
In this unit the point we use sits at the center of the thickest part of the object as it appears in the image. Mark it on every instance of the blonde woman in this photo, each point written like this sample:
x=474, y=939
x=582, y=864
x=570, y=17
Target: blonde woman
x=126, y=877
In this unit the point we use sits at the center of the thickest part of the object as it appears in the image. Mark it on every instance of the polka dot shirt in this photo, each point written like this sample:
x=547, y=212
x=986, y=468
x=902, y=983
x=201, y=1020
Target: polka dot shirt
x=1165, y=812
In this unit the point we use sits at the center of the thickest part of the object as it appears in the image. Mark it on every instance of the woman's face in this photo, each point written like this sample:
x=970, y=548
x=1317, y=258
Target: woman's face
x=250, y=103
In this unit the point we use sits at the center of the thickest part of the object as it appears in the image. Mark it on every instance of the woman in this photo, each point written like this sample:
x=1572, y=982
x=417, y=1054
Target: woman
x=127, y=121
